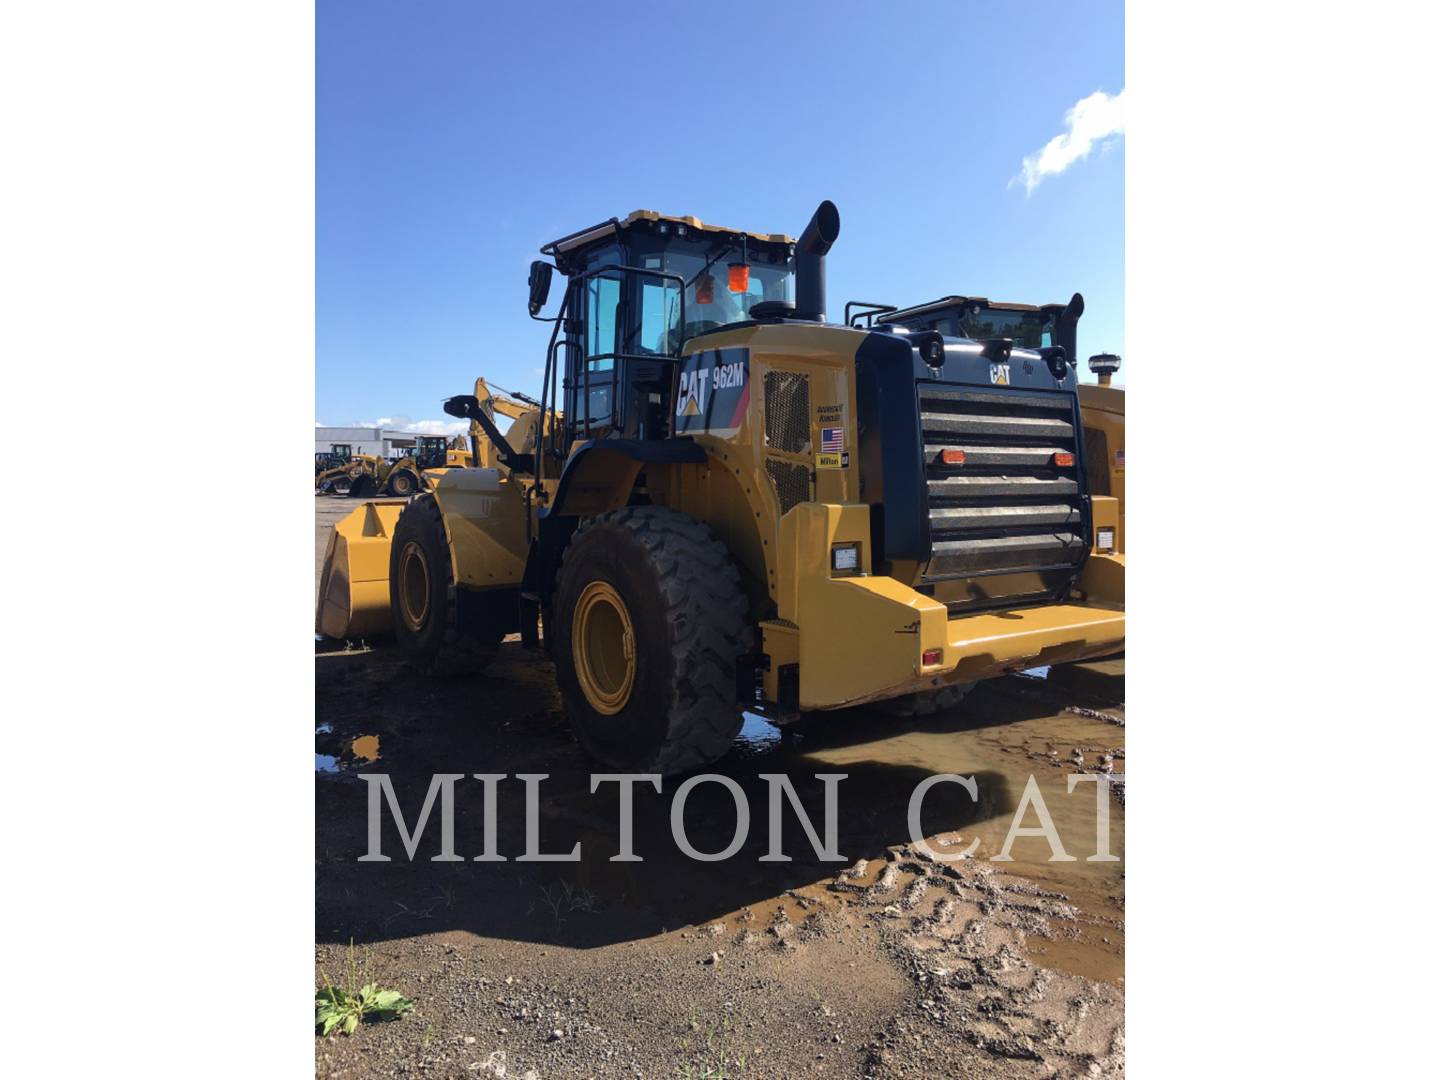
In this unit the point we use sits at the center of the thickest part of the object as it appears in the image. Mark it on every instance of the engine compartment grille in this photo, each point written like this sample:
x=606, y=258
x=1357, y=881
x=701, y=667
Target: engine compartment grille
x=1097, y=460
x=1008, y=526
x=787, y=411
x=791, y=481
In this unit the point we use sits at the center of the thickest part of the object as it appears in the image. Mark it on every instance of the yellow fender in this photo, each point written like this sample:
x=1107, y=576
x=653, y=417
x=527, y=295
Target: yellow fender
x=355, y=580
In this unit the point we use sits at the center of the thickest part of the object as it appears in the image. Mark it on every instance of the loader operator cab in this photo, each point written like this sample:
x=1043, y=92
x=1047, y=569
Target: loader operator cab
x=636, y=290
x=337, y=455
x=429, y=451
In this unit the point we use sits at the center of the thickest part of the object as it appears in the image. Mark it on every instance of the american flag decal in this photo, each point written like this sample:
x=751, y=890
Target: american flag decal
x=832, y=440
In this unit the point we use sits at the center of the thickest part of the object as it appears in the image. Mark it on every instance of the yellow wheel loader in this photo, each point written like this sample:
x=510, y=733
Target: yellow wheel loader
x=726, y=502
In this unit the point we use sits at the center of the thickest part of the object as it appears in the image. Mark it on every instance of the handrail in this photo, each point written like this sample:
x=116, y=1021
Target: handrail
x=876, y=309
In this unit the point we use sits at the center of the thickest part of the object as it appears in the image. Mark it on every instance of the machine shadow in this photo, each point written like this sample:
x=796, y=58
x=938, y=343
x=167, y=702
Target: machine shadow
x=509, y=722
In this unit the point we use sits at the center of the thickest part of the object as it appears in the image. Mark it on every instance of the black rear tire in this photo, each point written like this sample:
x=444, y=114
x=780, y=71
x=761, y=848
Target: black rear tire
x=690, y=623
x=422, y=598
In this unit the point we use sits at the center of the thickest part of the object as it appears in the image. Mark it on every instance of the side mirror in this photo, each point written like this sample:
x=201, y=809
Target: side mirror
x=540, y=272
x=465, y=406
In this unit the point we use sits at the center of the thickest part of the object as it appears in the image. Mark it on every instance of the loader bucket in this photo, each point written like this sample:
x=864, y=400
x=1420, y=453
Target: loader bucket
x=355, y=580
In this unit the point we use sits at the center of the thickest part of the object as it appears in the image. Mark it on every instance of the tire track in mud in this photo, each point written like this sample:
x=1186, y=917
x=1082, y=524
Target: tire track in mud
x=958, y=931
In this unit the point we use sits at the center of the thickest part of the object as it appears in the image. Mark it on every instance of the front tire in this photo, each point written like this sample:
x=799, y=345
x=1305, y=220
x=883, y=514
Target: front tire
x=649, y=621
x=422, y=598
x=403, y=484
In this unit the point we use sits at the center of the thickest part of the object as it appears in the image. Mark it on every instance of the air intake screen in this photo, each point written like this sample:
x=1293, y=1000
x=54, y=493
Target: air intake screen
x=792, y=482
x=1097, y=461
x=787, y=412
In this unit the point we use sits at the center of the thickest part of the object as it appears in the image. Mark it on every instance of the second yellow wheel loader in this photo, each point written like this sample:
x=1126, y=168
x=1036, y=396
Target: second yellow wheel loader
x=1102, y=410
x=743, y=506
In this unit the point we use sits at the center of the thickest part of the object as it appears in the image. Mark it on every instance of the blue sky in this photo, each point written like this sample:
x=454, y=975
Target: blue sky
x=454, y=138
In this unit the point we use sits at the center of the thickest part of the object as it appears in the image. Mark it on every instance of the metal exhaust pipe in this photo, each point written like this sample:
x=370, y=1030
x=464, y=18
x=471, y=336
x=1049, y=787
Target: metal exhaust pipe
x=810, y=251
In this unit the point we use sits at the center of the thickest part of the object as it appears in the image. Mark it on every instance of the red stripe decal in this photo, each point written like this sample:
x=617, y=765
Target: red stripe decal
x=742, y=404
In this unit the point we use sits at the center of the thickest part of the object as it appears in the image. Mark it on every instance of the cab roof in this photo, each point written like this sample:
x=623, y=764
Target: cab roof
x=640, y=217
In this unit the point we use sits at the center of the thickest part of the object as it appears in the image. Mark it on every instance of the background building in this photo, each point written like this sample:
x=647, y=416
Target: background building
x=382, y=442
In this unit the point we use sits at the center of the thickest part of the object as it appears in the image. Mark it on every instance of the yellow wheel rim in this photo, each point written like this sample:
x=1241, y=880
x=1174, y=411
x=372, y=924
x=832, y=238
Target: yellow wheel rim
x=603, y=643
x=414, y=585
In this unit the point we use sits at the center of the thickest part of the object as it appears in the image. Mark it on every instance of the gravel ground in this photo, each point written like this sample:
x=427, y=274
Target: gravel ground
x=887, y=965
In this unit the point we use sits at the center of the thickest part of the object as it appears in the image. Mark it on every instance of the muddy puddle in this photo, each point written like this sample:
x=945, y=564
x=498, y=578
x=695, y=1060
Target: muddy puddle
x=349, y=754
x=1067, y=915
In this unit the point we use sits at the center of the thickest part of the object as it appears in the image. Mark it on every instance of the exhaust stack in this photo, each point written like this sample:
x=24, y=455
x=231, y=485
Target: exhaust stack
x=810, y=251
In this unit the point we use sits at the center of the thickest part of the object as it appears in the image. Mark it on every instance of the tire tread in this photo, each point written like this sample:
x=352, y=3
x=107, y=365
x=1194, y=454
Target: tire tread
x=707, y=613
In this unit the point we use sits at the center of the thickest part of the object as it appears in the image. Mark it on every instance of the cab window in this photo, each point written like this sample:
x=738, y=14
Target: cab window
x=659, y=316
x=602, y=303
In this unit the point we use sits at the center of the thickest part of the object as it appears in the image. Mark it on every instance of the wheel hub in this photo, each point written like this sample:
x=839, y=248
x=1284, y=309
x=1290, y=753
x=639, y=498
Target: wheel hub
x=414, y=585
x=603, y=644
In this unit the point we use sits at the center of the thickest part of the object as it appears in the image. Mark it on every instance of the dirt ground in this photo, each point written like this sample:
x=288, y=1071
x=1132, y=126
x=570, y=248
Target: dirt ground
x=888, y=964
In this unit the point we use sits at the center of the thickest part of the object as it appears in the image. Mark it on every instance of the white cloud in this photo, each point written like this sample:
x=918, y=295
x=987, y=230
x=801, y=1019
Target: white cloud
x=1098, y=118
x=438, y=427
x=415, y=427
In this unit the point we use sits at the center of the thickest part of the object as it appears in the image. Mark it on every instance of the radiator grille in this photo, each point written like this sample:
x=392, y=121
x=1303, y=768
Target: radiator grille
x=1008, y=525
x=787, y=411
x=791, y=481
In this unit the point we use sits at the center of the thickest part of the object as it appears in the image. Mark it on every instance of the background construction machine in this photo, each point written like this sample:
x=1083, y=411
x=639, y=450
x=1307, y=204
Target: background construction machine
x=363, y=475
x=743, y=506
x=524, y=410
x=337, y=456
